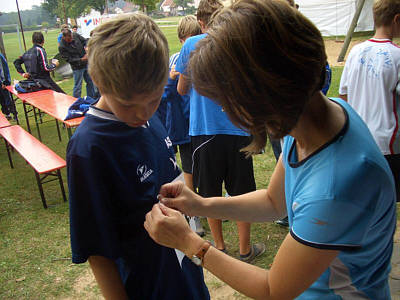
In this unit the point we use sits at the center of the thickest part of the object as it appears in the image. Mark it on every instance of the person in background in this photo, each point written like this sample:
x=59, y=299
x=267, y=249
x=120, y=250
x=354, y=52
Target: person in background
x=59, y=37
x=370, y=83
x=36, y=64
x=177, y=109
x=5, y=97
x=72, y=49
x=75, y=29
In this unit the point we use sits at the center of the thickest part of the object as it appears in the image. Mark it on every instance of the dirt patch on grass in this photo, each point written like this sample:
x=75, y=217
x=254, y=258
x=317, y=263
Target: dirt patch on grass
x=333, y=48
x=85, y=287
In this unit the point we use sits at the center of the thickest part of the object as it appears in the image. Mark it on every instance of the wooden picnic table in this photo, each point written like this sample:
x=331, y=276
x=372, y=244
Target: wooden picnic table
x=50, y=102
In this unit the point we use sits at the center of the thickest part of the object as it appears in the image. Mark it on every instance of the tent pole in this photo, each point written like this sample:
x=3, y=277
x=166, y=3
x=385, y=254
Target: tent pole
x=350, y=32
x=20, y=24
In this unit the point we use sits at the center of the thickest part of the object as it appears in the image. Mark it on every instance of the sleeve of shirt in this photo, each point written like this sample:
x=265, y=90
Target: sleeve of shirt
x=344, y=80
x=170, y=89
x=183, y=59
x=42, y=58
x=92, y=222
x=323, y=224
x=341, y=222
x=6, y=70
x=18, y=65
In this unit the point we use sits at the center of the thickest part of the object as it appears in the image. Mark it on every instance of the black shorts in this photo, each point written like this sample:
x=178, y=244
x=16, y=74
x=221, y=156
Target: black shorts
x=185, y=151
x=394, y=164
x=217, y=159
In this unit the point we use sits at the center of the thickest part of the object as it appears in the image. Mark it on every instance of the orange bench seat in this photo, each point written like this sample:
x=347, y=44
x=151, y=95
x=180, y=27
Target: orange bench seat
x=41, y=158
x=3, y=121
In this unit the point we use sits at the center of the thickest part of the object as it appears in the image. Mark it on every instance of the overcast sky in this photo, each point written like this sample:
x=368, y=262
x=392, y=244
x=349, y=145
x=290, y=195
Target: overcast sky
x=10, y=5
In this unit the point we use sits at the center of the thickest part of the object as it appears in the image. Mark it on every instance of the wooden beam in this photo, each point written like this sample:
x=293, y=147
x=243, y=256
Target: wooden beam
x=350, y=32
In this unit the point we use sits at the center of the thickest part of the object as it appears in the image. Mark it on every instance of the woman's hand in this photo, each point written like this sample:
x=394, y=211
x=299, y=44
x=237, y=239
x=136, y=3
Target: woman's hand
x=178, y=196
x=168, y=227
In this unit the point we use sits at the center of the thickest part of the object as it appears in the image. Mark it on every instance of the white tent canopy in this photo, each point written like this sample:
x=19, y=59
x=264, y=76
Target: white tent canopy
x=333, y=17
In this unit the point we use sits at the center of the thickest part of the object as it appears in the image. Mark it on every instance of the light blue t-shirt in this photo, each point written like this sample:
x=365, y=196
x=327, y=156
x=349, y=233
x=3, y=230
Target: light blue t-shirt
x=342, y=197
x=206, y=117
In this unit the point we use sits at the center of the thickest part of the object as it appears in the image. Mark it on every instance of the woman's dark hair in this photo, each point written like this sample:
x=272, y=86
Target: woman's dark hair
x=261, y=61
x=37, y=38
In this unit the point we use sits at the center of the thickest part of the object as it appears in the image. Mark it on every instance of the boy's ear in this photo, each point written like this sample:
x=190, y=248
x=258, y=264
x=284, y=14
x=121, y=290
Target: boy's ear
x=396, y=25
x=396, y=19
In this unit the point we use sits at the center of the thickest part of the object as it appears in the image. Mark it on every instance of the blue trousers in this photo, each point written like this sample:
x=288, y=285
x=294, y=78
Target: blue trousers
x=79, y=75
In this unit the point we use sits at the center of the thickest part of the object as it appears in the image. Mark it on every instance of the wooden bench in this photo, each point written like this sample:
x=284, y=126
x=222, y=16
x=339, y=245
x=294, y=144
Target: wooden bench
x=43, y=160
x=3, y=121
x=50, y=102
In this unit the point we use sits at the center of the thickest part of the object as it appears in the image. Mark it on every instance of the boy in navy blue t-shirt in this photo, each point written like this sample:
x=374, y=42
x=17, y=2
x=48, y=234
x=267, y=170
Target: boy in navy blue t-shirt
x=117, y=161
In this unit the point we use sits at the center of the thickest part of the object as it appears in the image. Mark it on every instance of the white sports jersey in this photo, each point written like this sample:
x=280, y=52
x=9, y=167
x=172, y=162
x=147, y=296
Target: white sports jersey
x=370, y=80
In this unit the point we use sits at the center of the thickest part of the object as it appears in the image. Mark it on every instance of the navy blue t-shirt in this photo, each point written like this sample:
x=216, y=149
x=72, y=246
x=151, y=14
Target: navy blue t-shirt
x=114, y=175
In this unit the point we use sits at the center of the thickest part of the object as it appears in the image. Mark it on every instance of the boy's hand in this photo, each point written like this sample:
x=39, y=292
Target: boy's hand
x=26, y=75
x=178, y=196
x=173, y=74
x=55, y=62
x=169, y=228
x=3, y=86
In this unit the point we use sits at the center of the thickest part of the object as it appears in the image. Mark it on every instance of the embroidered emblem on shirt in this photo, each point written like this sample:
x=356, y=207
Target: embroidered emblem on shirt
x=143, y=172
x=168, y=142
x=319, y=222
x=294, y=206
x=173, y=162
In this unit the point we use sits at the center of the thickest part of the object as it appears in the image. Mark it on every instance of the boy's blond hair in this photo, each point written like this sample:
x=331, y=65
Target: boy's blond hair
x=188, y=26
x=128, y=55
x=206, y=9
x=384, y=11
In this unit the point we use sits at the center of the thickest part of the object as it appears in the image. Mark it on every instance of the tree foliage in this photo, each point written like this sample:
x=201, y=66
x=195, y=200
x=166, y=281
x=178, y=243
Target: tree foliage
x=146, y=5
x=34, y=16
x=183, y=3
x=73, y=8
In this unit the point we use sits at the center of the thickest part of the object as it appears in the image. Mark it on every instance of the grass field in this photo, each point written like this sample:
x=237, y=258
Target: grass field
x=34, y=243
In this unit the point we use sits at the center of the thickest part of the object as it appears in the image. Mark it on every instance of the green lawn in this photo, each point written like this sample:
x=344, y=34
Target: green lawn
x=34, y=243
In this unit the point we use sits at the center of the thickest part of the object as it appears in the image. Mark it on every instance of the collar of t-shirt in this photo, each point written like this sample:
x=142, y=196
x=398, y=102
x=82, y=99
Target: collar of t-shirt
x=102, y=114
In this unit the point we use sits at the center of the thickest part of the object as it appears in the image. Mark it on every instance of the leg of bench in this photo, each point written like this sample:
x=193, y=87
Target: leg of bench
x=69, y=130
x=37, y=123
x=58, y=130
x=26, y=117
x=40, y=116
x=61, y=184
x=9, y=154
x=39, y=183
x=14, y=108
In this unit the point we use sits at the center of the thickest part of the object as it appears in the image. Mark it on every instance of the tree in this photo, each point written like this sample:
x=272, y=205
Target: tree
x=74, y=8
x=183, y=3
x=146, y=5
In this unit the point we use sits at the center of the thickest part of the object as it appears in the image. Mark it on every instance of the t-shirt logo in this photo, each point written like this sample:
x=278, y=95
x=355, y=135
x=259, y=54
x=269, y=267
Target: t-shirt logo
x=168, y=142
x=173, y=162
x=143, y=172
x=294, y=206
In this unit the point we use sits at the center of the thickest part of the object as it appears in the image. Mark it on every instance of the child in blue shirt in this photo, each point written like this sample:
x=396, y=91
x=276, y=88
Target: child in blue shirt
x=174, y=109
x=117, y=161
x=177, y=106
